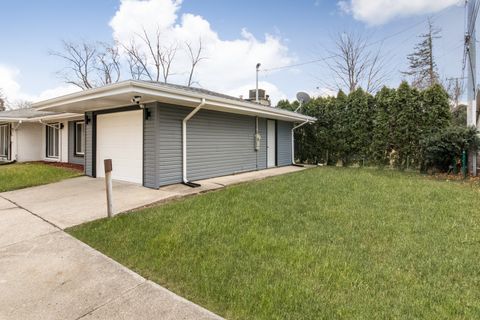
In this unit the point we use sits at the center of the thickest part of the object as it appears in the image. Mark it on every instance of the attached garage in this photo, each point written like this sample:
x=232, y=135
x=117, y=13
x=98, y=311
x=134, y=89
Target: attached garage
x=158, y=134
x=119, y=136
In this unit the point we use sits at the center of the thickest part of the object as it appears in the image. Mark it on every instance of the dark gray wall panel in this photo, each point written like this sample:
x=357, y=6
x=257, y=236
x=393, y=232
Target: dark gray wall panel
x=262, y=153
x=89, y=144
x=150, y=159
x=217, y=144
x=72, y=158
x=169, y=143
x=220, y=144
x=284, y=143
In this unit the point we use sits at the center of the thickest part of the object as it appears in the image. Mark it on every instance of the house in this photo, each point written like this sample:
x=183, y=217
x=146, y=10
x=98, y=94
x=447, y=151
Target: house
x=32, y=135
x=159, y=134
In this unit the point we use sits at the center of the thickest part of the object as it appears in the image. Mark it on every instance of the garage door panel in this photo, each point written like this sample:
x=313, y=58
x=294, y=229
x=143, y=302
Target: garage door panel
x=120, y=138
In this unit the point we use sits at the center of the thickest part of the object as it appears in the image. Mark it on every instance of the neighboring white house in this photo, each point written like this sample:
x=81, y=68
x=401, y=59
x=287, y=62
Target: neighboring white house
x=155, y=133
x=31, y=135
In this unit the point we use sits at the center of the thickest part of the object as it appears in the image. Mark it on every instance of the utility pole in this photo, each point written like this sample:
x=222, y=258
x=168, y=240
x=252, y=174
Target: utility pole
x=470, y=45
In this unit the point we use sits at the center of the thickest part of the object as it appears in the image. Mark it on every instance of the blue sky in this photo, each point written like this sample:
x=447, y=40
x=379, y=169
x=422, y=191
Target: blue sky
x=302, y=31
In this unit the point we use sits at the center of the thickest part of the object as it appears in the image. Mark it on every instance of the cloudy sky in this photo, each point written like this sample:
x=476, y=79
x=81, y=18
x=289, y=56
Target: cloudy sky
x=236, y=35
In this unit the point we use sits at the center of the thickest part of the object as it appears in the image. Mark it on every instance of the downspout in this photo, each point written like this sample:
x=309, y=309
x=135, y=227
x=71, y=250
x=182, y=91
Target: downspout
x=59, y=137
x=184, y=145
x=15, y=128
x=293, y=143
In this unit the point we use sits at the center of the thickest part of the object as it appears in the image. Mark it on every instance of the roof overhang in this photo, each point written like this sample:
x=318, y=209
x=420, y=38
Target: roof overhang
x=121, y=94
x=42, y=118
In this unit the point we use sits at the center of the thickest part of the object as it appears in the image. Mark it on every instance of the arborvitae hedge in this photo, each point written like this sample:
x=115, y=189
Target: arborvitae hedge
x=396, y=127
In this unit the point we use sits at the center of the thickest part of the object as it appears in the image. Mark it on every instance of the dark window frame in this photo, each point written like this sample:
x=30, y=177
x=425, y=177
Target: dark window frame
x=75, y=152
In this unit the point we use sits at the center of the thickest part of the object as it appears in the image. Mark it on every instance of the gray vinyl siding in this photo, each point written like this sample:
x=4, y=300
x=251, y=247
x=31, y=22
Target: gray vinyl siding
x=262, y=152
x=284, y=143
x=150, y=154
x=89, y=144
x=72, y=158
x=169, y=143
x=219, y=144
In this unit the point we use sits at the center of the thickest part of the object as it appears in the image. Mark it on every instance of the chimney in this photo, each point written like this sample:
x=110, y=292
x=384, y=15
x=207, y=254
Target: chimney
x=2, y=104
x=263, y=98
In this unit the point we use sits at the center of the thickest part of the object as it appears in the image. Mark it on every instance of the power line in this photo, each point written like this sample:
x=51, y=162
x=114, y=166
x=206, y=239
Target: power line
x=367, y=45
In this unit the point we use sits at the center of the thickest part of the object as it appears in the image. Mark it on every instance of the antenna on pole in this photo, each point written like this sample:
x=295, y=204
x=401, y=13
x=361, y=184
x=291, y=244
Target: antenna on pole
x=256, y=86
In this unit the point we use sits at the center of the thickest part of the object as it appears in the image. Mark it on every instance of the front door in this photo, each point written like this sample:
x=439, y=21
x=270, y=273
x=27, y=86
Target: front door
x=271, y=143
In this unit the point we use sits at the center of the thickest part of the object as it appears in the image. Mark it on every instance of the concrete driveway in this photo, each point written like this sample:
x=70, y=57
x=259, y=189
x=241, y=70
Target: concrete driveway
x=47, y=274
x=78, y=200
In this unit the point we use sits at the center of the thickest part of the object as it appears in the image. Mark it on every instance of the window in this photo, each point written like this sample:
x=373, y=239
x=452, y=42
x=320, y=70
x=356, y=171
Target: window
x=79, y=139
x=4, y=140
x=52, y=134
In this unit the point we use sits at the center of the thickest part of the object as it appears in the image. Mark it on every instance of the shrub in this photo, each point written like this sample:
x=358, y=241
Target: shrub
x=441, y=149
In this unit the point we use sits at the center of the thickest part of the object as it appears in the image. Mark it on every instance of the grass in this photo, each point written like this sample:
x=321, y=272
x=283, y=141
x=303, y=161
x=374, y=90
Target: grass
x=23, y=175
x=319, y=244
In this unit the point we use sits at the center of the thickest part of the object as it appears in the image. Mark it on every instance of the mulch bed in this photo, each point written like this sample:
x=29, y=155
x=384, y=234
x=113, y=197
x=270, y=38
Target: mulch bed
x=73, y=166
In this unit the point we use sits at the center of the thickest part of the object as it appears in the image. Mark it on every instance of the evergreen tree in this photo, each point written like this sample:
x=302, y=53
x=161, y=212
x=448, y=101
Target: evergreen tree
x=383, y=126
x=422, y=66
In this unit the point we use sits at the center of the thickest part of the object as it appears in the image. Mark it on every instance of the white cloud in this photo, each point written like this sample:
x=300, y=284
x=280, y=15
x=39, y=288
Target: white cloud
x=11, y=88
x=230, y=64
x=377, y=12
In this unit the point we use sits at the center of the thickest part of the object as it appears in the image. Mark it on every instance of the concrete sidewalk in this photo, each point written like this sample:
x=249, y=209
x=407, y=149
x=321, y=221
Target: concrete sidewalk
x=47, y=274
x=78, y=200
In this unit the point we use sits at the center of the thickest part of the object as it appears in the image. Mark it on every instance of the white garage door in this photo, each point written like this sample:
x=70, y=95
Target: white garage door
x=120, y=138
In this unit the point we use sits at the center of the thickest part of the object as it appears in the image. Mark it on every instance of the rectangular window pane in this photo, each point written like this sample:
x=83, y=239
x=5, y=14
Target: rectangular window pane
x=79, y=138
x=52, y=140
x=4, y=140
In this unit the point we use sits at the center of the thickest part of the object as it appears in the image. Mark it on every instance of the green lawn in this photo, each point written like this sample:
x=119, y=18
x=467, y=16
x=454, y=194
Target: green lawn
x=322, y=243
x=23, y=175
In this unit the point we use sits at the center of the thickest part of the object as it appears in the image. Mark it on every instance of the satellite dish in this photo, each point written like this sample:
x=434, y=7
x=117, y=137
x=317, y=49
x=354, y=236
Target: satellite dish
x=303, y=97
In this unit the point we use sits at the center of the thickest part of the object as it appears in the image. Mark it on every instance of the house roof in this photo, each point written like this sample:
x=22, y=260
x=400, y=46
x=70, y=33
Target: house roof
x=121, y=94
x=31, y=114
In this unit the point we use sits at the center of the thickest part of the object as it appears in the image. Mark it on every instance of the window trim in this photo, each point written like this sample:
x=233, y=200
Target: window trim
x=47, y=127
x=75, y=152
x=7, y=140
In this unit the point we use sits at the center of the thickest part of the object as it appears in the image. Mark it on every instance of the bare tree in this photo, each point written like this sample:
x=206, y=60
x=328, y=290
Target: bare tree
x=107, y=63
x=20, y=104
x=195, y=58
x=354, y=65
x=156, y=62
x=80, y=60
x=88, y=65
x=137, y=61
x=454, y=88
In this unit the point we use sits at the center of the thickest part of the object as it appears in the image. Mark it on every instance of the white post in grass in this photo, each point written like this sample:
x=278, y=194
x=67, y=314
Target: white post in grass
x=107, y=164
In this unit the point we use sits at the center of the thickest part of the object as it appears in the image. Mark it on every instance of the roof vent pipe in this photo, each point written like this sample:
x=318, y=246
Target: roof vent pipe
x=184, y=145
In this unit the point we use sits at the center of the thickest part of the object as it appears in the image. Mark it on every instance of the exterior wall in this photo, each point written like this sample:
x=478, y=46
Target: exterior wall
x=169, y=143
x=284, y=143
x=220, y=144
x=25, y=144
x=150, y=159
x=217, y=144
x=89, y=144
x=72, y=157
